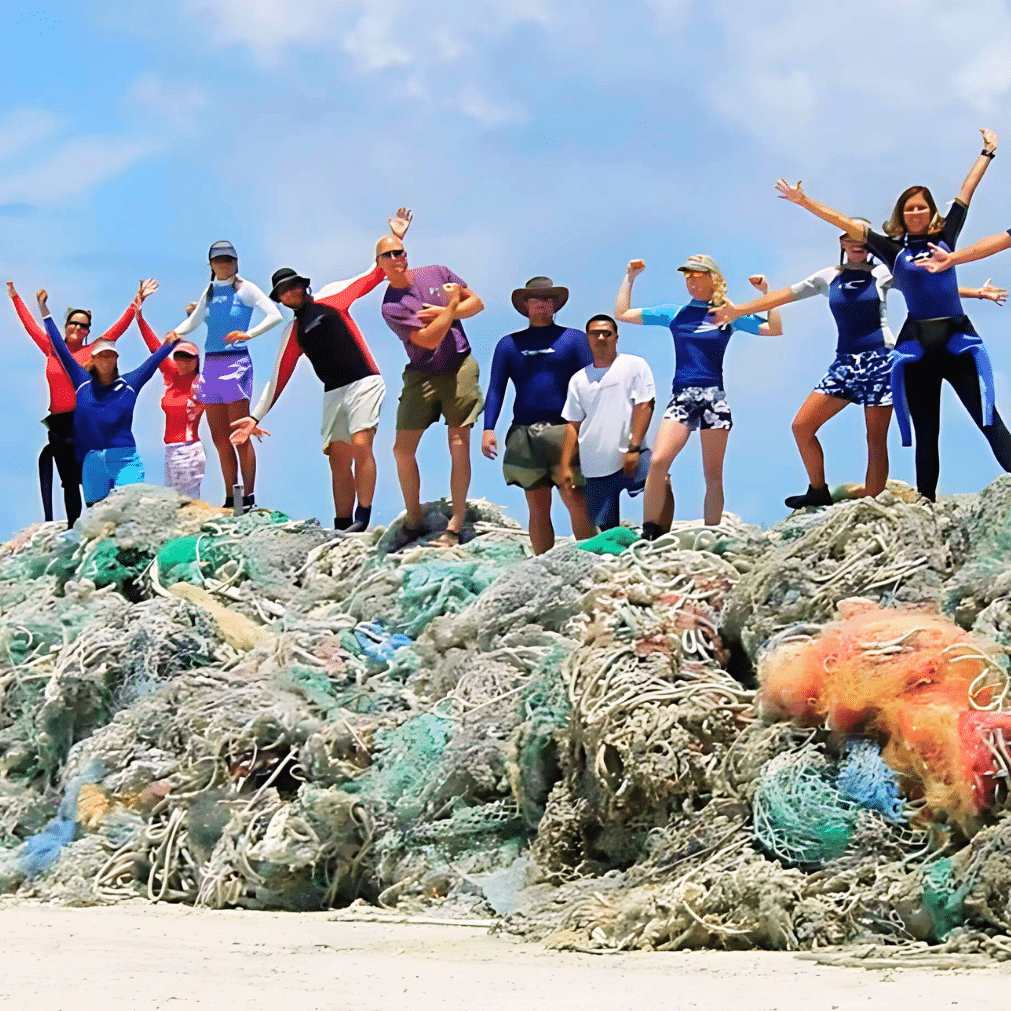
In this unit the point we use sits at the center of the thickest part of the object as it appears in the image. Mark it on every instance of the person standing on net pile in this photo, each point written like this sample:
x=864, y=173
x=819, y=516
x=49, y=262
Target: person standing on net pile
x=103, y=417
x=353, y=389
x=424, y=307
x=540, y=361
x=225, y=386
x=608, y=408
x=60, y=421
x=185, y=460
x=698, y=399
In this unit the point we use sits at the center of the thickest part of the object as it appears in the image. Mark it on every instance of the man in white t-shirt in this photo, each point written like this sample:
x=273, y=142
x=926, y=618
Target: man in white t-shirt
x=608, y=410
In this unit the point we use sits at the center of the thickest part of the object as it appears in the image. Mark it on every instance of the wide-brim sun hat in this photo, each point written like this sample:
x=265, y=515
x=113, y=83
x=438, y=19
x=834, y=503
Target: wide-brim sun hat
x=284, y=276
x=539, y=287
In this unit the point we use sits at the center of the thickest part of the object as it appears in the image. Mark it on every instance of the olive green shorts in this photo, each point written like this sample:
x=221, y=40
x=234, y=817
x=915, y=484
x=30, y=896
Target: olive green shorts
x=532, y=455
x=456, y=397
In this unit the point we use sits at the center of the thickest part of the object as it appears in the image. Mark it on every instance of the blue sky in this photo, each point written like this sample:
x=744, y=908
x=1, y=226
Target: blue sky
x=530, y=137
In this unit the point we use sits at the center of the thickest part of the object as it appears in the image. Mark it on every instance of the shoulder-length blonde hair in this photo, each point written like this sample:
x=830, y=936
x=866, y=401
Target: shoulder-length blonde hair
x=895, y=226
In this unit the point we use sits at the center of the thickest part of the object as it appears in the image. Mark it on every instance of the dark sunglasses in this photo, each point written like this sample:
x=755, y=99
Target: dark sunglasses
x=185, y=354
x=393, y=254
x=80, y=326
x=600, y=333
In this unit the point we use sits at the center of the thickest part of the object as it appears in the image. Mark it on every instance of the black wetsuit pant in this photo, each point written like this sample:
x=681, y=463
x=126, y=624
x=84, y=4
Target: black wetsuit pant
x=923, y=394
x=60, y=450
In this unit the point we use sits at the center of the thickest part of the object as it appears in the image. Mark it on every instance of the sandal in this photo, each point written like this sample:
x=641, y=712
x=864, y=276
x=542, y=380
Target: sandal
x=447, y=539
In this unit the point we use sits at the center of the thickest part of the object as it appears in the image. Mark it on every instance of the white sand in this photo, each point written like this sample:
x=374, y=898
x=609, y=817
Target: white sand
x=174, y=957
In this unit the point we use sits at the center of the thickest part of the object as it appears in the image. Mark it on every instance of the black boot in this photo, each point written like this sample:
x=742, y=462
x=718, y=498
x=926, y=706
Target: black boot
x=812, y=497
x=651, y=531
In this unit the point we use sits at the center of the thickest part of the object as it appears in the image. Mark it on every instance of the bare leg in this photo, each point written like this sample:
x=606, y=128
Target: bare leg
x=405, y=448
x=542, y=532
x=877, y=420
x=814, y=412
x=339, y=454
x=670, y=440
x=365, y=465
x=714, y=448
x=575, y=502
x=247, y=455
x=667, y=515
x=459, y=475
x=217, y=420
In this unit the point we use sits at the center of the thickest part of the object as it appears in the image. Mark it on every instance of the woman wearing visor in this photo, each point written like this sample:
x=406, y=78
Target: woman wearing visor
x=937, y=342
x=225, y=385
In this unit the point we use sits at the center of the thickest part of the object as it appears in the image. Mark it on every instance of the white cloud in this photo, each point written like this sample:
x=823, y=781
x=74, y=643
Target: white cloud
x=169, y=105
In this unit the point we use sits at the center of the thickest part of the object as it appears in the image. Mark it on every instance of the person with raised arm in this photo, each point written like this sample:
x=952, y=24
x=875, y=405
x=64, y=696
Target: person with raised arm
x=103, y=416
x=861, y=371
x=353, y=389
x=608, y=407
x=698, y=400
x=225, y=386
x=425, y=307
x=185, y=460
x=59, y=448
x=539, y=360
x=937, y=342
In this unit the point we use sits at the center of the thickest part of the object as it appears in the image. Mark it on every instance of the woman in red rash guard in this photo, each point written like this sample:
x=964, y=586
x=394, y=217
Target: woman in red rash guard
x=185, y=460
x=60, y=421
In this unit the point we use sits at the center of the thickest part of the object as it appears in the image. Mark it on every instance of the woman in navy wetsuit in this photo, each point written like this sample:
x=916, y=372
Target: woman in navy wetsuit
x=861, y=371
x=937, y=341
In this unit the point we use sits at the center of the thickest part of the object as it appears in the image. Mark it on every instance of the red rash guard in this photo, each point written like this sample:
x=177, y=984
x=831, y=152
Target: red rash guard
x=182, y=410
x=61, y=389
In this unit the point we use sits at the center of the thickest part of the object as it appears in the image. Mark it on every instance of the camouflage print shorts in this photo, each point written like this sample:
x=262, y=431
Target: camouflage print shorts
x=700, y=407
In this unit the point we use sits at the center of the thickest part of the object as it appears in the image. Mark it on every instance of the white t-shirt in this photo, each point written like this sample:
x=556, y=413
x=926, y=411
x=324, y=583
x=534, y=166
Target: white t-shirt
x=602, y=400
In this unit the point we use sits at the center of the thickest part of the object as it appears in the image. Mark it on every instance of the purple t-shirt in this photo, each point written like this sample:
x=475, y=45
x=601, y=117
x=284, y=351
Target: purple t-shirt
x=400, y=309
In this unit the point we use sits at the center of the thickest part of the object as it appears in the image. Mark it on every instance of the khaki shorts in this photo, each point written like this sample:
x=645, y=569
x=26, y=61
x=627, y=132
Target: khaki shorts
x=457, y=397
x=532, y=455
x=351, y=408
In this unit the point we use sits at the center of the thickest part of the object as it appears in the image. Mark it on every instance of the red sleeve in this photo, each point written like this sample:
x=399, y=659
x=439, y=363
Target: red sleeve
x=284, y=365
x=36, y=332
x=153, y=342
x=341, y=294
x=119, y=327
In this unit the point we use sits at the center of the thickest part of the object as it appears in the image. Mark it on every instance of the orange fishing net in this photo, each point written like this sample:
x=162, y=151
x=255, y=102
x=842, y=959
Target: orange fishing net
x=927, y=690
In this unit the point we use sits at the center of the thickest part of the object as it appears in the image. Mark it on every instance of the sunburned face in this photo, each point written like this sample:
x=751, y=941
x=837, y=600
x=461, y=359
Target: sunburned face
x=916, y=215
x=77, y=328
x=224, y=267
x=699, y=284
x=392, y=257
x=856, y=252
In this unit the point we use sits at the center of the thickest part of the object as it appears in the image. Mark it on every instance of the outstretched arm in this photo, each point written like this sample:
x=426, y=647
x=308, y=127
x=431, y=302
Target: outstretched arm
x=986, y=291
x=774, y=325
x=941, y=259
x=622, y=304
x=77, y=373
x=979, y=166
x=37, y=333
x=153, y=342
x=284, y=365
x=773, y=300
x=796, y=195
x=139, y=377
x=340, y=294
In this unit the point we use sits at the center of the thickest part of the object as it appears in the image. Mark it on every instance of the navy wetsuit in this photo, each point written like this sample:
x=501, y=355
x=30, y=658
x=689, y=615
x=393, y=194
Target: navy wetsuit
x=937, y=342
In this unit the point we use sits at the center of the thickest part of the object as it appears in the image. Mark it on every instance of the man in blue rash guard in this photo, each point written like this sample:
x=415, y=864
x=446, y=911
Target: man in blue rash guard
x=539, y=360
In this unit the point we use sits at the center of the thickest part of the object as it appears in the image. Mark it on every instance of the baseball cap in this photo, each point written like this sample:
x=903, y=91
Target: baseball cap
x=701, y=261
x=222, y=248
x=186, y=348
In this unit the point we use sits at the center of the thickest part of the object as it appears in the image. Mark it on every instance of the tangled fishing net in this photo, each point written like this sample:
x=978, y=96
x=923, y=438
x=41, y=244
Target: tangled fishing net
x=257, y=712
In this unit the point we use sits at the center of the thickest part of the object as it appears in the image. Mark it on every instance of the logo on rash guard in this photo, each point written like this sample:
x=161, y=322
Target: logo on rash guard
x=539, y=351
x=853, y=285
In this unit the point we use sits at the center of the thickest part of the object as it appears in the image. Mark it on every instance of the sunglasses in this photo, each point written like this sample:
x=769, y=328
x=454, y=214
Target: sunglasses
x=600, y=333
x=80, y=326
x=393, y=254
x=695, y=273
x=185, y=354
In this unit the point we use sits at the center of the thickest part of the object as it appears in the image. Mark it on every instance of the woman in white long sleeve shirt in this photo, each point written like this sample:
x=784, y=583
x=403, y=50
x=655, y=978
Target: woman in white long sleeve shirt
x=226, y=383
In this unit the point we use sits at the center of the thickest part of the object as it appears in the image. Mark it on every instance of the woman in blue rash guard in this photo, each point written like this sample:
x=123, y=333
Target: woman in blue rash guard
x=861, y=371
x=103, y=417
x=937, y=342
x=698, y=399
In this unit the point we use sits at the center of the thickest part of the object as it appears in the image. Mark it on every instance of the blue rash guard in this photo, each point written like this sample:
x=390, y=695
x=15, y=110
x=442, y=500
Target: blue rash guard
x=540, y=361
x=103, y=418
x=856, y=298
x=930, y=297
x=699, y=345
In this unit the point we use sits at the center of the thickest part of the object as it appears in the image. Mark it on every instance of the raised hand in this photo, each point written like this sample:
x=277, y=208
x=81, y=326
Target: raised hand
x=787, y=191
x=635, y=268
x=453, y=291
x=42, y=297
x=11, y=293
x=489, y=444
x=990, y=141
x=992, y=293
x=172, y=337
x=401, y=222
x=758, y=281
x=147, y=288
x=190, y=306
x=243, y=429
x=940, y=259
x=235, y=336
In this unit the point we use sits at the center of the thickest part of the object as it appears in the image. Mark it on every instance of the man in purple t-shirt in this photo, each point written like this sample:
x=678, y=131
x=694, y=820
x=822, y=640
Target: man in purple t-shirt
x=423, y=307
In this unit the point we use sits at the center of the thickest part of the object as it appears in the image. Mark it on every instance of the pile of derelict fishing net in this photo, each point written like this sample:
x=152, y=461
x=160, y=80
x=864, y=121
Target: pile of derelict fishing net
x=257, y=712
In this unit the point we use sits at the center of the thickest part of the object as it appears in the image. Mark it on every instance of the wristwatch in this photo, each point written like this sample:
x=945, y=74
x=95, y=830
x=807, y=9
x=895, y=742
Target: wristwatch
x=988, y=154
x=633, y=449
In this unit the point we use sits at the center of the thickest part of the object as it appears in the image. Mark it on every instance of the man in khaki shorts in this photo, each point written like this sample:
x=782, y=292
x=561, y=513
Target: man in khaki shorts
x=423, y=307
x=539, y=360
